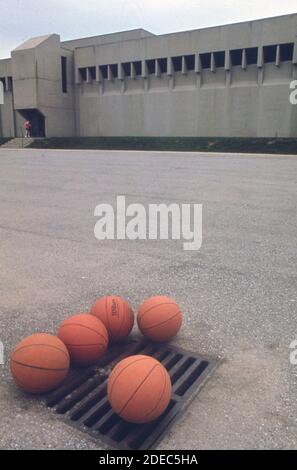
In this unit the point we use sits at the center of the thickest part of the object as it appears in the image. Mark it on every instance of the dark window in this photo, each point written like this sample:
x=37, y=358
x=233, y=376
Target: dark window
x=103, y=70
x=236, y=57
x=270, y=54
x=127, y=69
x=190, y=62
x=219, y=59
x=163, y=65
x=64, y=73
x=177, y=63
x=151, y=66
x=286, y=52
x=10, y=85
x=92, y=72
x=205, y=60
x=252, y=56
x=137, y=68
x=114, y=70
x=83, y=74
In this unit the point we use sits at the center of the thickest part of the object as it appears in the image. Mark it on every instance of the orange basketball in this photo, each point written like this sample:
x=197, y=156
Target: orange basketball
x=39, y=363
x=159, y=318
x=116, y=314
x=139, y=389
x=85, y=337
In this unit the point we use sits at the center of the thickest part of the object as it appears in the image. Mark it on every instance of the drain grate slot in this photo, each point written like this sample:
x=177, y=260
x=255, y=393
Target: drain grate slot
x=123, y=430
x=109, y=424
x=73, y=382
x=148, y=429
x=82, y=399
x=190, y=380
x=180, y=369
x=96, y=413
x=79, y=393
x=161, y=355
x=172, y=361
x=84, y=406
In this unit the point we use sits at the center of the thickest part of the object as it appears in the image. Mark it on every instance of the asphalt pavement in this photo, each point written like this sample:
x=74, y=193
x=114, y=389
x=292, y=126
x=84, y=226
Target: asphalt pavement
x=238, y=293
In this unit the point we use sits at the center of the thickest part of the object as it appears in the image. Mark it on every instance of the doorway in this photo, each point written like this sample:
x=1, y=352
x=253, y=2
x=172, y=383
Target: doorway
x=36, y=119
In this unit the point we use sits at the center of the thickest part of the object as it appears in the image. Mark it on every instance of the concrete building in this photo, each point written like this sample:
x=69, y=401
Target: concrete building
x=231, y=80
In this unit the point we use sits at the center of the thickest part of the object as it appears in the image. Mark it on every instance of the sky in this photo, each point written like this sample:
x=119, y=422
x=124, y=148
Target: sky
x=22, y=19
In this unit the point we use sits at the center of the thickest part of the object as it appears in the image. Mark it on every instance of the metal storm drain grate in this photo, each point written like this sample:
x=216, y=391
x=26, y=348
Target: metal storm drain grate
x=82, y=399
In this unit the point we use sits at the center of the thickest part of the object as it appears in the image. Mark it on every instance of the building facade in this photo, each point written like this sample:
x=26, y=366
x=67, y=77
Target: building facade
x=231, y=81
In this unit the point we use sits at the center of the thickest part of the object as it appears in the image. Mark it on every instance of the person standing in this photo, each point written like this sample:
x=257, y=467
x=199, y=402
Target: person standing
x=27, y=129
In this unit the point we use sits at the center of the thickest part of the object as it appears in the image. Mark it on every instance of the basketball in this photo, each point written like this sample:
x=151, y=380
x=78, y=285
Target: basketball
x=85, y=337
x=159, y=318
x=139, y=389
x=39, y=363
x=117, y=316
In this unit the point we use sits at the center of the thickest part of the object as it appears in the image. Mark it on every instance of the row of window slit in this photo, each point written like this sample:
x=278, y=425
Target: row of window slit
x=238, y=57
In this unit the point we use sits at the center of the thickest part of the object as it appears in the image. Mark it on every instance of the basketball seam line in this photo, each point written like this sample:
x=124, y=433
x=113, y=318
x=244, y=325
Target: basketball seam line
x=106, y=314
x=163, y=391
x=154, y=306
x=125, y=308
x=139, y=386
x=79, y=324
x=41, y=344
x=37, y=367
x=159, y=324
x=128, y=365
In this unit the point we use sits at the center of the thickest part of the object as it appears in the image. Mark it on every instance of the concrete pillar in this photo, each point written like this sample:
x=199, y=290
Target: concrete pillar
x=227, y=60
x=100, y=76
x=158, y=70
x=109, y=73
x=89, y=77
x=77, y=76
x=169, y=67
x=133, y=73
x=120, y=72
x=197, y=63
x=244, y=59
x=295, y=53
x=212, y=63
x=260, y=65
x=277, y=62
x=260, y=57
x=144, y=73
x=184, y=65
x=295, y=61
